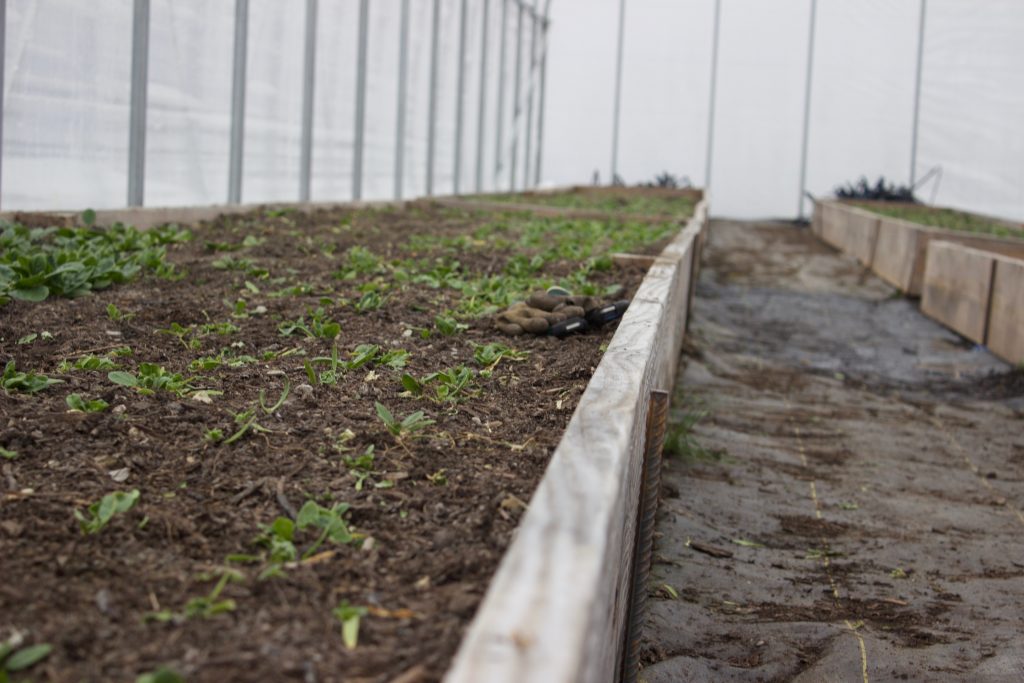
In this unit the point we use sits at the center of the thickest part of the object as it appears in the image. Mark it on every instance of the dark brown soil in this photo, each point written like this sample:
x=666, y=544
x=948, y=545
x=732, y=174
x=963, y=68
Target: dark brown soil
x=430, y=541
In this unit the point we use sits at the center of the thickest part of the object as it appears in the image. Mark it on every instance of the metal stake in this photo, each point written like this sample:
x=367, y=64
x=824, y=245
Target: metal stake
x=403, y=58
x=618, y=91
x=357, y=152
x=137, y=115
x=515, y=100
x=308, y=83
x=460, y=102
x=501, y=93
x=543, y=90
x=238, y=102
x=432, y=102
x=483, y=101
x=917, y=94
x=807, y=112
x=3, y=32
x=711, y=97
x=529, y=100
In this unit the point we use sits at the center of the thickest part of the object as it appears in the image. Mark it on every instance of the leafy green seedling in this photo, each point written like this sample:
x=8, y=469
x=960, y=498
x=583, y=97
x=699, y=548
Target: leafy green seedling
x=361, y=467
x=101, y=512
x=396, y=359
x=328, y=520
x=152, y=378
x=349, y=616
x=14, y=658
x=449, y=326
x=8, y=454
x=213, y=435
x=88, y=362
x=411, y=424
x=370, y=301
x=181, y=332
x=204, y=606
x=247, y=418
x=25, y=382
x=319, y=326
x=489, y=355
x=161, y=675
x=117, y=315
x=83, y=405
x=438, y=478
x=449, y=385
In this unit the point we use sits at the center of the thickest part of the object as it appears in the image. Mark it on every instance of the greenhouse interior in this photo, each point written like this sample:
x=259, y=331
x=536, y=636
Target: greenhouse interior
x=508, y=341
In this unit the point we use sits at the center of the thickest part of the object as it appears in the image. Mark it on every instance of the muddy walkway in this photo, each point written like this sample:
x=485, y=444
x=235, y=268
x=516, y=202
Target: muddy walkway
x=848, y=506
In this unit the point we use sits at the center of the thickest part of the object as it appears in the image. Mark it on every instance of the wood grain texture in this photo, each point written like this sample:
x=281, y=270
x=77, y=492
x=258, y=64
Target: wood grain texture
x=1005, y=334
x=896, y=254
x=556, y=608
x=957, y=285
x=851, y=230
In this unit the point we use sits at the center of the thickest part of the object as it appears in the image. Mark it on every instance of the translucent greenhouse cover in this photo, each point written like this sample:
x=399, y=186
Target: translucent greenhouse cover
x=67, y=66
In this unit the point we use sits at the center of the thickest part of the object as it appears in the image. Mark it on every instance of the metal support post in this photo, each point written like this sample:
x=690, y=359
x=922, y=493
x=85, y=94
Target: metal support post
x=529, y=97
x=543, y=91
x=403, y=59
x=308, y=83
x=807, y=111
x=515, y=100
x=238, y=102
x=432, y=102
x=483, y=101
x=618, y=91
x=360, y=131
x=3, y=33
x=498, y=131
x=711, y=96
x=137, y=115
x=460, y=102
x=917, y=94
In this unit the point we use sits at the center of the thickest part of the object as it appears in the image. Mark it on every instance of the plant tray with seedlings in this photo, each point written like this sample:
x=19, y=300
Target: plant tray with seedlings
x=279, y=445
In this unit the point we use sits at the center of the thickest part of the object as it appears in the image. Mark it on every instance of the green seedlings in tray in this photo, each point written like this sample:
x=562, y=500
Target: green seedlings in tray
x=408, y=426
x=100, y=513
x=14, y=658
x=349, y=616
x=152, y=378
x=83, y=405
x=319, y=326
x=24, y=382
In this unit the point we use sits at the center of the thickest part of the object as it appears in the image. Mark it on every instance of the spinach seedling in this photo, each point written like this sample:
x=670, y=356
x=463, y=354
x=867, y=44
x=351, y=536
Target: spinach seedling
x=361, y=467
x=25, y=382
x=117, y=315
x=247, y=418
x=152, y=378
x=449, y=326
x=14, y=658
x=489, y=355
x=101, y=512
x=349, y=616
x=411, y=424
x=83, y=405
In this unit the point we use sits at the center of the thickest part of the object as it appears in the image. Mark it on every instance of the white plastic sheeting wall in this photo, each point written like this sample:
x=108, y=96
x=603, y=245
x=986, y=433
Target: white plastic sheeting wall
x=862, y=98
x=66, y=88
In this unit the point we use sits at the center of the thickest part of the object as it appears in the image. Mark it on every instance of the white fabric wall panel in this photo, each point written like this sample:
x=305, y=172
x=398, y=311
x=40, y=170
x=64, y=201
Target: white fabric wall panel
x=972, y=105
x=65, y=133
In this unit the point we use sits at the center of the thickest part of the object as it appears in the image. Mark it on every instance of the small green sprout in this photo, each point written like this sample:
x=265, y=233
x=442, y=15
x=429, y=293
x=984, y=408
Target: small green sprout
x=25, y=382
x=411, y=424
x=14, y=658
x=449, y=326
x=77, y=403
x=101, y=512
x=349, y=616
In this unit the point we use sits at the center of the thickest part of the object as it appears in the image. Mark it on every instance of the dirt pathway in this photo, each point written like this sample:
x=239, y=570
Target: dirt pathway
x=850, y=507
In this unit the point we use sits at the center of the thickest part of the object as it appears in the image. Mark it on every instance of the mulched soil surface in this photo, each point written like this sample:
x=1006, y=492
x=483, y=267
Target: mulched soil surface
x=432, y=540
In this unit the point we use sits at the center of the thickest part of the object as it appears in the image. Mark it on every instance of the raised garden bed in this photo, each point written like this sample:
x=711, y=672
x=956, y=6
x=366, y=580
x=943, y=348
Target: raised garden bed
x=641, y=201
x=895, y=248
x=270, y=388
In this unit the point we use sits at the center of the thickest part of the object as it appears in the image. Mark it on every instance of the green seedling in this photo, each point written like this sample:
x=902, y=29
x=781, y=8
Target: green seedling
x=747, y=544
x=100, y=513
x=89, y=362
x=449, y=326
x=349, y=616
x=226, y=358
x=116, y=315
x=396, y=359
x=359, y=261
x=77, y=403
x=14, y=659
x=279, y=537
x=247, y=418
x=181, y=333
x=319, y=326
x=152, y=378
x=8, y=454
x=24, y=382
x=898, y=573
x=681, y=442
x=213, y=435
x=489, y=355
x=161, y=675
x=449, y=385
x=370, y=301
x=408, y=426
x=205, y=606
x=438, y=478
x=361, y=467
x=31, y=337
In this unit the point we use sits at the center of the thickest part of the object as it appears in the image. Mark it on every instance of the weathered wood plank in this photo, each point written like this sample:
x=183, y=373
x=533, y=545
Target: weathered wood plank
x=1005, y=336
x=556, y=608
x=957, y=285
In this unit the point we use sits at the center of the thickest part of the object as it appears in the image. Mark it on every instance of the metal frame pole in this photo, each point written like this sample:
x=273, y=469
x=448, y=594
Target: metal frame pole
x=711, y=96
x=308, y=85
x=432, y=102
x=403, y=59
x=238, y=101
x=3, y=33
x=543, y=91
x=498, y=134
x=360, y=130
x=483, y=100
x=515, y=100
x=529, y=97
x=460, y=102
x=807, y=111
x=618, y=92
x=917, y=94
x=138, y=99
